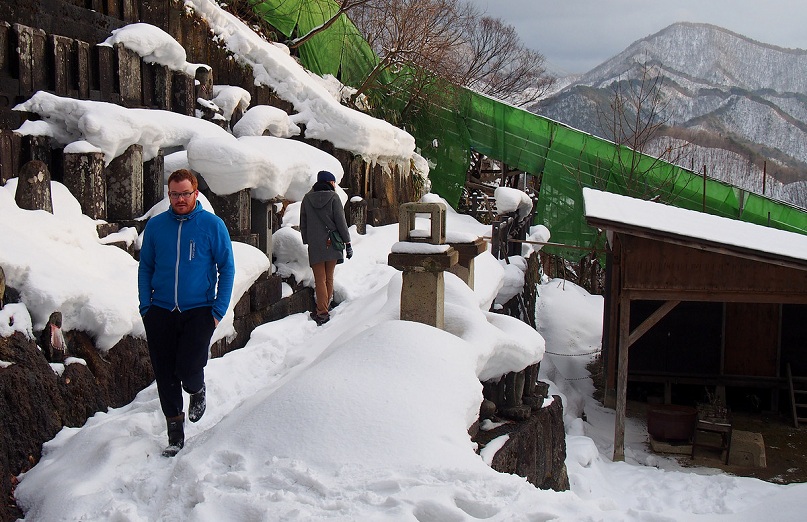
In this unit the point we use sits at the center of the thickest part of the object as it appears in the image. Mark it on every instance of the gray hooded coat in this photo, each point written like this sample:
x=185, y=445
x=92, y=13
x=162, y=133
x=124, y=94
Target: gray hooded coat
x=321, y=212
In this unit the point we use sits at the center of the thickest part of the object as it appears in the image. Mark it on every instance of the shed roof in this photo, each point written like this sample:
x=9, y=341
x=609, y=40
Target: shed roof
x=625, y=214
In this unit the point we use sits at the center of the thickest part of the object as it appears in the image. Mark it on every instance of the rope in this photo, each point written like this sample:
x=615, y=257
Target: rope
x=573, y=354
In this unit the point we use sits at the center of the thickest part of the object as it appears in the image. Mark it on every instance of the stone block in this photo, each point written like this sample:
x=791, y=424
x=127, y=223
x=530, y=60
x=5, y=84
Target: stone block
x=467, y=252
x=242, y=306
x=264, y=292
x=423, y=298
x=235, y=210
x=423, y=262
x=747, y=449
x=406, y=222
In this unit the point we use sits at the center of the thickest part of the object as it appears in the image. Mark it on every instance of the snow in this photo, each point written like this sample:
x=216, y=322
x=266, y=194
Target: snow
x=323, y=116
x=687, y=223
x=512, y=200
x=153, y=45
x=352, y=420
x=364, y=418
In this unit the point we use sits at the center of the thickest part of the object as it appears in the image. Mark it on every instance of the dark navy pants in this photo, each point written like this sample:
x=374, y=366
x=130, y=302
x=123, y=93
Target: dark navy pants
x=178, y=346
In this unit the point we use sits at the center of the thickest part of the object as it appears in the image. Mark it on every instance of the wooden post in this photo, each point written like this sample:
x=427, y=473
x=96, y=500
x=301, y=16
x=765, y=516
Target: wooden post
x=622, y=378
x=704, y=188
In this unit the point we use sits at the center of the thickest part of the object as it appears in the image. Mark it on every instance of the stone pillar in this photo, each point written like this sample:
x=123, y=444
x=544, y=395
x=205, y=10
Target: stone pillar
x=124, y=189
x=35, y=148
x=33, y=187
x=10, y=144
x=423, y=264
x=234, y=209
x=261, y=224
x=423, y=291
x=407, y=230
x=356, y=213
x=464, y=269
x=128, y=75
x=84, y=178
x=153, y=181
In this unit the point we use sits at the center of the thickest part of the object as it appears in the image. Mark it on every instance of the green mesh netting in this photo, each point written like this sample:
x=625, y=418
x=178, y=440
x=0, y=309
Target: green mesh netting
x=566, y=159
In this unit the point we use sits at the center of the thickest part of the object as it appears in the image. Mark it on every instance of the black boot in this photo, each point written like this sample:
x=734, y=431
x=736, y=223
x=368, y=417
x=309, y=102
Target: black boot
x=176, y=435
x=197, y=405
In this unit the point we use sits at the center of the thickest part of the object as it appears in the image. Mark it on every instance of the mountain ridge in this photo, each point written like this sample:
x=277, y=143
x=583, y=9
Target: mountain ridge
x=724, y=94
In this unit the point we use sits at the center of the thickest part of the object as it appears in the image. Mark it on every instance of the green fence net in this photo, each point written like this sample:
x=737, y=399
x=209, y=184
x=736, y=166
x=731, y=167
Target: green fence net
x=566, y=159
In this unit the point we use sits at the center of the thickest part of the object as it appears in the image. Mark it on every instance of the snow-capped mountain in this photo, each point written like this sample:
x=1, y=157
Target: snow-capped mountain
x=741, y=104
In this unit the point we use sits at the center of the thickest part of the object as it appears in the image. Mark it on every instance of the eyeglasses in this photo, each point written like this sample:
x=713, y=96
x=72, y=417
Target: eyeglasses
x=181, y=195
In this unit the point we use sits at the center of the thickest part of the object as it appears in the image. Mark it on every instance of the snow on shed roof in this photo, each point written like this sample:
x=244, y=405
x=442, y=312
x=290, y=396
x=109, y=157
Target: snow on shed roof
x=673, y=221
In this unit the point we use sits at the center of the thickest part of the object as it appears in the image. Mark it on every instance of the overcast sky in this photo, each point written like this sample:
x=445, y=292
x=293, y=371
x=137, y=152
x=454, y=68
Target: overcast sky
x=577, y=35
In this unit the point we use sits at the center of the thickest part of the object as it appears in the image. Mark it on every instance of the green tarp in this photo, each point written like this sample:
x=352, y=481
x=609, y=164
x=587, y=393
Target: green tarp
x=566, y=159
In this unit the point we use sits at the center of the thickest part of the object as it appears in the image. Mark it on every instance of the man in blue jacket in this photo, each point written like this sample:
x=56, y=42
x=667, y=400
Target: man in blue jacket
x=185, y=281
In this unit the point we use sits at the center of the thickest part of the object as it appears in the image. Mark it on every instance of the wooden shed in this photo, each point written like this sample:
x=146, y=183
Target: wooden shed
x=697, y=299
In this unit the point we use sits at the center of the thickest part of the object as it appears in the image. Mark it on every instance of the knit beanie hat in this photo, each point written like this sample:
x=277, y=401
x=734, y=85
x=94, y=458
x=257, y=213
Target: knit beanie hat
x=324, y=175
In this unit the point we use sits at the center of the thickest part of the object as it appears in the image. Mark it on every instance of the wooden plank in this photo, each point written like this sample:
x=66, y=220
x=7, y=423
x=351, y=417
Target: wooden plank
x=658, y=265
x=751, y=339
x=699, y=244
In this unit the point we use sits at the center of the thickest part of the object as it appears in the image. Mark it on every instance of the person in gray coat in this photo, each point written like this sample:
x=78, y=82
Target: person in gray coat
x=321, y=214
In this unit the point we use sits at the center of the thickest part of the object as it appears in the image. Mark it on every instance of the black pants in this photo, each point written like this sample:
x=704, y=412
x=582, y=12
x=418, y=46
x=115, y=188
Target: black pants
x=178, y=346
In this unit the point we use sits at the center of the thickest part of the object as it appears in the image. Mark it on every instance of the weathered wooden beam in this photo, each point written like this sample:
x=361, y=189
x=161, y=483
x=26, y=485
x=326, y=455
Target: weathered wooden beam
x=651, y=321
x=622, y=378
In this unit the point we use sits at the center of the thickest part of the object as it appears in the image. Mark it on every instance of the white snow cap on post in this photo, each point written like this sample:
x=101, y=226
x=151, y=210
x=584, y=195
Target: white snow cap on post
x=511, y=200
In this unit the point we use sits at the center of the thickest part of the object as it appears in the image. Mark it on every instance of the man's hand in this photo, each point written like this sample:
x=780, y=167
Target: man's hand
x=348, y=250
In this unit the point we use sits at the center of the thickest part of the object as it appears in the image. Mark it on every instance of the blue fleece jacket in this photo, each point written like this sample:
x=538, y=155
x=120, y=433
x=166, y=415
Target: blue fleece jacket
x=180, y=259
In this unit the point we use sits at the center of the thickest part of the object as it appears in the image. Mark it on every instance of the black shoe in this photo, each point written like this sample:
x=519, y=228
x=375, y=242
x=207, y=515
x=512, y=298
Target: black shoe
x=176, y=435
x=320, y=319
x=197, y=405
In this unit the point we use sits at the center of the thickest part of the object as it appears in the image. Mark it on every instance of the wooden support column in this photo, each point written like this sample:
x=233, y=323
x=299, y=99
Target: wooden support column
x=622, y=378
x=626, y=340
